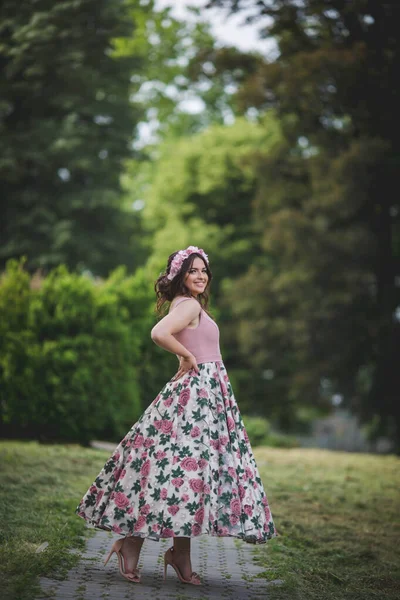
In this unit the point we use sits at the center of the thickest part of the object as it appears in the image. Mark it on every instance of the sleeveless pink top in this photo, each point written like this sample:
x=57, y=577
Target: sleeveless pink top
x=203, y=340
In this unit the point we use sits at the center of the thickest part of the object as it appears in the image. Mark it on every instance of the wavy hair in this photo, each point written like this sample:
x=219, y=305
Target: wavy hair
x=167, y=290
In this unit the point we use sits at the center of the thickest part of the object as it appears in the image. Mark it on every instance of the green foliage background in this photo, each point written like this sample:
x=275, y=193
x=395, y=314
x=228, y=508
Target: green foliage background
x=284, y=176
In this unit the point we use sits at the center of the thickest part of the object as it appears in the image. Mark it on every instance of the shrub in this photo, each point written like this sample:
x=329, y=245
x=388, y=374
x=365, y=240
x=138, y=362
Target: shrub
x=260, y=434
x=257, y=429
x=70, y=353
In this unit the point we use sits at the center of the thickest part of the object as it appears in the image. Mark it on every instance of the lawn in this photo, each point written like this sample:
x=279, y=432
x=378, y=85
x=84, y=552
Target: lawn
x=337, y=515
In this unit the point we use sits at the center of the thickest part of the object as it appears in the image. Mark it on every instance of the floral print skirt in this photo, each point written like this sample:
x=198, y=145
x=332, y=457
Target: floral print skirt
x=185, y=468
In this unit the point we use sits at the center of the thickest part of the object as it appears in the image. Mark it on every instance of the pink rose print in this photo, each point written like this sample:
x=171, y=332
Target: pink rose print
x=231, y=471
x=267, y=513
x=195, y=431
x=117, y=529
x=129, y=459
x=249, y=472
x=236, y=506
x=215, y=444
x=234, y=519
x=155, y=527
x=140, y=523
x=246, y=437
x=144, y=455
x=138, y=441
x=238, y=454
x=130, y=510
x=173, y=509
x=175, y=460
x=160, y=455
x=166, y=426
x=220, y=408
x=189, y=464
x=203, y=393
x=145, y=509
x=196, y=485
x=202, y=463
x=148, y=442
x=242, y=492
x=223, y=388
x=116, y=456
x=181, y=410
x=223, y=531
x=184, y=397
x=141, y=495
x=206, y=488
x=248, y=510
x=92, y=489
x=164, y=494
x=231, y=423
x=117, y=473
x=185, y=498
x=99, y=497
x=143, y=482
x=196, y=529
x=223, y=440
x=168, y=401
x=177, y=482
x=122, y=474
x=264, y=500
x=145, y=470
x=199, y=515
x=167, y=532
x=121, y=500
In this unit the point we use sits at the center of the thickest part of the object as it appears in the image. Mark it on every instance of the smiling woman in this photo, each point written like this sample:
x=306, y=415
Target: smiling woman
x=186, y=468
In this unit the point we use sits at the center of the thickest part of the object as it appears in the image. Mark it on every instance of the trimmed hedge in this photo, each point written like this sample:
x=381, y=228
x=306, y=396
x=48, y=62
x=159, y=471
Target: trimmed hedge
x=70, y=353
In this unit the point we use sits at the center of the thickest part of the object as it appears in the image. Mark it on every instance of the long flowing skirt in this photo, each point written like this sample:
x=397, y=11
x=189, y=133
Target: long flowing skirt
x=185, y=468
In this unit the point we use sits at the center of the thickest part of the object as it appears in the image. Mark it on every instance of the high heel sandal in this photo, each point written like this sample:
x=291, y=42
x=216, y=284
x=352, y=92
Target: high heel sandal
x=168, y=560
x=133, y=576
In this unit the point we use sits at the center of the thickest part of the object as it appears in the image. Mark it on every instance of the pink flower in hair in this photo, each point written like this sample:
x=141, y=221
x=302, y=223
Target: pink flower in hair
x=180, y=256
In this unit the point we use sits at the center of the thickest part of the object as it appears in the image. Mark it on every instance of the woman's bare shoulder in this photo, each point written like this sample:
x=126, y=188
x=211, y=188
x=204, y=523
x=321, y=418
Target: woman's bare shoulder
x=177, y=300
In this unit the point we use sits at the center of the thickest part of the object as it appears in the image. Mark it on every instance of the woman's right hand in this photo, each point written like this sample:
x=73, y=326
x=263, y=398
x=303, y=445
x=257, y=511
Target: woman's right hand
x=186, y=363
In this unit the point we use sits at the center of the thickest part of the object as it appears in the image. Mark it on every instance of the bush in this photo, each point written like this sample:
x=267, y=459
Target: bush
x=70, y=353
x=260, y=434
x=258, y=429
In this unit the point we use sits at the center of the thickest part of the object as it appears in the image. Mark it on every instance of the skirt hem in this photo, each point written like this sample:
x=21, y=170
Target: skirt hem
x=156, y=538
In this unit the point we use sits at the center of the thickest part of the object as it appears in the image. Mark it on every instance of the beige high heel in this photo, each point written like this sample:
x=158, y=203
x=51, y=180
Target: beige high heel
x=169, y=560
x=133, y=576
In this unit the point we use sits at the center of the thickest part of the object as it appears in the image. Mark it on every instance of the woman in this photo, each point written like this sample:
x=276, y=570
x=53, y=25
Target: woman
x=186, y=467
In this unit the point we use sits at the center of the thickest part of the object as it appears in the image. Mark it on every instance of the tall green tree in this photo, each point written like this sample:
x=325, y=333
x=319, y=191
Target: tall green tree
x=66, y=127
x=334, y=85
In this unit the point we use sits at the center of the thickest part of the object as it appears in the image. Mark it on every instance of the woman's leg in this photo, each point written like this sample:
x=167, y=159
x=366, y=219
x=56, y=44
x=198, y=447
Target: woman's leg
x=131, y=551
x=181, y=556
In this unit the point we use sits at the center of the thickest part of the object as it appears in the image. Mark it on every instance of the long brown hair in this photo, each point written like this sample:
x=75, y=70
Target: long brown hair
x=167, y=290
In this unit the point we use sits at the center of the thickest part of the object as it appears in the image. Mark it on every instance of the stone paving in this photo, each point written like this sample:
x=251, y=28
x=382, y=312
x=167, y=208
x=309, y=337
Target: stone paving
x=225, y=565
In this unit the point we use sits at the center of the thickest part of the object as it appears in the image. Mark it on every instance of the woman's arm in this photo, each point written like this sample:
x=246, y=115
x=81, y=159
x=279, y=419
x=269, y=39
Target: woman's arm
x=175, y=321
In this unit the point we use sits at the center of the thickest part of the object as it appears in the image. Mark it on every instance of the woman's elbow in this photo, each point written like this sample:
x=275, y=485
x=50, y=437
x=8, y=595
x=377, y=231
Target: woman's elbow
x=156, y=335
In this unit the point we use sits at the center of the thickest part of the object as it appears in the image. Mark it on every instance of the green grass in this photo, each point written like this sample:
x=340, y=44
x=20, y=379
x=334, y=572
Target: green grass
x=337, y=515
x=40, y=487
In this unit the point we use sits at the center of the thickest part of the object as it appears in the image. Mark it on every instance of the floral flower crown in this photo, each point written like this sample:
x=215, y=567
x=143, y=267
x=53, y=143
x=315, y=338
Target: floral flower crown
x=180, y=256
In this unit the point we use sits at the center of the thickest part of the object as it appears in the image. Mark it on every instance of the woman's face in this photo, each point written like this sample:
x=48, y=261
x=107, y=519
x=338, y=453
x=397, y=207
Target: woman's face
x=196, y=278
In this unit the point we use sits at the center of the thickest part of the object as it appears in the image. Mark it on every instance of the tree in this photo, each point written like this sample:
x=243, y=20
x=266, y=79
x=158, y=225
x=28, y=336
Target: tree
x=66, y=128
x=334, y=85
